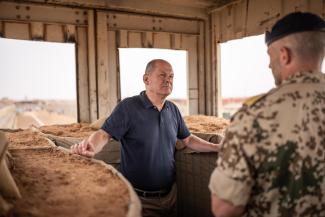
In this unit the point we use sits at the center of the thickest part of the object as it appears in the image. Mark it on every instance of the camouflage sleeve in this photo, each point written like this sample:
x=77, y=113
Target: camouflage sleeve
x=232, y=180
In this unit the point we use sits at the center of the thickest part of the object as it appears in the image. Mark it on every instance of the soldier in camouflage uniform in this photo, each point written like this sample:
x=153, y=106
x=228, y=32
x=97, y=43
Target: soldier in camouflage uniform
x=272, y=162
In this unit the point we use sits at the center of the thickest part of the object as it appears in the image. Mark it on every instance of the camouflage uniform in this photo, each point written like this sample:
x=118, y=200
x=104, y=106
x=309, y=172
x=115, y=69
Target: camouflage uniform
x=273, y=156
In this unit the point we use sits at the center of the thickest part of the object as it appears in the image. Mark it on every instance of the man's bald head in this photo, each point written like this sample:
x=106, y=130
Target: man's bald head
x=153, y=63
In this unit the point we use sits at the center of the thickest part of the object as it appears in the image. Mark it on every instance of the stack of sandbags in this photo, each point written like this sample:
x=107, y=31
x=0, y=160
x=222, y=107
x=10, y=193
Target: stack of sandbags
x=69, y=134
x=54, y=182
x=9, y=192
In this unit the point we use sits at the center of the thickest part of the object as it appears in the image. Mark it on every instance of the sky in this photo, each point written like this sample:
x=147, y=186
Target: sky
x=37, y=70
x=44, y=70
x=244, y=68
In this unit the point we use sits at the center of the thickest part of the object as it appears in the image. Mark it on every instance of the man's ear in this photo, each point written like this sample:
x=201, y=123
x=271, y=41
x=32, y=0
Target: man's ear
x=285, y=56
x=145, y=79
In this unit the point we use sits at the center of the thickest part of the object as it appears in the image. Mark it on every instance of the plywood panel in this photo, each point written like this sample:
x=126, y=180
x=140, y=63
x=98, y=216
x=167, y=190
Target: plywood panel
x=134, y=39
x=37, y=30
x=82, y=76
x=112, y=70
x=16, y=30
x=162, y=40
x=102, y=66
x=92, y=67
x=54, y=33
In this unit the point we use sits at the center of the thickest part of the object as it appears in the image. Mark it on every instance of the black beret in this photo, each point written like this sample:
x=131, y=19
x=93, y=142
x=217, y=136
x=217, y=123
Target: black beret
x=292, y=23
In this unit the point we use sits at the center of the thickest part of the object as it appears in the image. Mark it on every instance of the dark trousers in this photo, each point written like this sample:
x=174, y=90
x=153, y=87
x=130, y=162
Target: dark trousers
x=160, y=206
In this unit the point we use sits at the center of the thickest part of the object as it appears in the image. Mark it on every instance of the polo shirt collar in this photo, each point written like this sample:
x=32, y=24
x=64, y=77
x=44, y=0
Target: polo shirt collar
x=145, y=100
x=147, y=103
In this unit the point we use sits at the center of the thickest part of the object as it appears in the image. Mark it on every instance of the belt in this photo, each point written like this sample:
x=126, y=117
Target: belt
x=159, y=193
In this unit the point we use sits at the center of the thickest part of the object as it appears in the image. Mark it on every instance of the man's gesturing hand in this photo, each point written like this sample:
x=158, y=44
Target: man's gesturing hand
x=84, y=148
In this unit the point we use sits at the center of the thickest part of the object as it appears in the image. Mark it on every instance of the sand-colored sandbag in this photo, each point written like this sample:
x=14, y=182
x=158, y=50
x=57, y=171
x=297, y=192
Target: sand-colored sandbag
x=8, y=188
x=3, y=145
x=5, y=206
x=70, y=185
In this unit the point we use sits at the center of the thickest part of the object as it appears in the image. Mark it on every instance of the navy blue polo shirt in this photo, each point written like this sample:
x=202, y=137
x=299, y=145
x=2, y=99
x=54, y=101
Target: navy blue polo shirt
x=148, y=140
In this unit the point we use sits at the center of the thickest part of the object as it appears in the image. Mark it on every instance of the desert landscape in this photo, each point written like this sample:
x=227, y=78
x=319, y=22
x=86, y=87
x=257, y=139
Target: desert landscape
x=26, y=113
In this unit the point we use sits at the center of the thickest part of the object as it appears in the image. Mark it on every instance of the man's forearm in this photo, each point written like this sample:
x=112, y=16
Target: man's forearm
x=98, y=140
x=200, y=145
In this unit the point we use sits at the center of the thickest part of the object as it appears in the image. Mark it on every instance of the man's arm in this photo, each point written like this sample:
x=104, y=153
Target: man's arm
x=200, y=145
x=222, y=208
x=91, y=145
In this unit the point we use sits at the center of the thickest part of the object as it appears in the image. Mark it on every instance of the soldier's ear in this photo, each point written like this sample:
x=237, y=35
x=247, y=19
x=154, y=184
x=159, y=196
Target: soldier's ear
x=285, y=55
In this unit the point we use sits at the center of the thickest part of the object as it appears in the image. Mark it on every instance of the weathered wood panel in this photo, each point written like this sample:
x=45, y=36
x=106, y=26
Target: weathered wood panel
x=54, y=33
x=134, y=39
x=123, y=39
x=102, y=66
x=112, y=70
x=190, y=43
x=16, y=30
x=92, y=76
x=147, y=39
x=42, y=13
x=253, y=17
x=1, y=28
x=82, y=75
x=70, y=33
x=138, y=22
x=176, y=42
x=37, y=31
x=201, y=70
x=162, y=40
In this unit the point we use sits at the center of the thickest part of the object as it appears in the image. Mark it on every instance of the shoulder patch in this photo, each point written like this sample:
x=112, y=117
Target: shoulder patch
x=254, y=99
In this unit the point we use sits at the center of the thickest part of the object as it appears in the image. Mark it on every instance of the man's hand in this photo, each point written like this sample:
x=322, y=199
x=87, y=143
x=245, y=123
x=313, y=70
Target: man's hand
x=84, y=148
x=200, y=145
x=91, y=145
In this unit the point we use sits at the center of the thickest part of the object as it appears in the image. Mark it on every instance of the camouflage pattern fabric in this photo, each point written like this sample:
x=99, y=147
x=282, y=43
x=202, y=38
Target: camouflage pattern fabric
x=273, y=155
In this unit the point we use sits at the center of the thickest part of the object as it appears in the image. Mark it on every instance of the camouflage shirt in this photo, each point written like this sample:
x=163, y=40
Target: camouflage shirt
x=273, y=155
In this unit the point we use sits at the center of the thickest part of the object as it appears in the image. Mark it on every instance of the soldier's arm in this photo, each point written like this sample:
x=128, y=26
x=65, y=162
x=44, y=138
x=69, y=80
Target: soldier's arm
x=223, y=208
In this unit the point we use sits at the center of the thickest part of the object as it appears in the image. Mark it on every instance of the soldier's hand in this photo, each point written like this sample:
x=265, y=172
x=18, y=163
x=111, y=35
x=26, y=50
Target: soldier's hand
x=83, y=148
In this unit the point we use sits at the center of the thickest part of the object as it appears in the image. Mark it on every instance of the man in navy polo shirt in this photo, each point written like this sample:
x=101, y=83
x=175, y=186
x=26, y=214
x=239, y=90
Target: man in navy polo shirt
x=148, y=126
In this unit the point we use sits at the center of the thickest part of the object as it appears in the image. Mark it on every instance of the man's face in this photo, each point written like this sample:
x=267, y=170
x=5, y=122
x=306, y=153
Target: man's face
x=275, y=65
x=160, y=80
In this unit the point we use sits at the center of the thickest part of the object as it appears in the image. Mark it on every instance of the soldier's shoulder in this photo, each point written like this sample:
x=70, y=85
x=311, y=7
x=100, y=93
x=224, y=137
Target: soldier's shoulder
x=254, y=99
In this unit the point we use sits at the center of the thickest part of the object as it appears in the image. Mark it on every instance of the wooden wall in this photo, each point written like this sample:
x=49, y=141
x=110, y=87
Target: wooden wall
x=98, y=34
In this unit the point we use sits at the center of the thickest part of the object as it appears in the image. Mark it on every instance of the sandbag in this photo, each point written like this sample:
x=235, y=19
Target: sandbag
x=9, y=191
